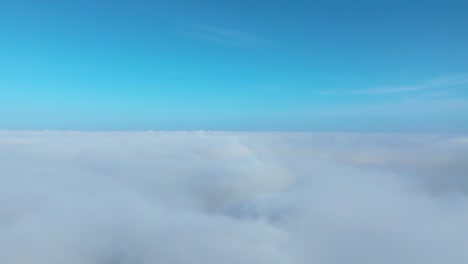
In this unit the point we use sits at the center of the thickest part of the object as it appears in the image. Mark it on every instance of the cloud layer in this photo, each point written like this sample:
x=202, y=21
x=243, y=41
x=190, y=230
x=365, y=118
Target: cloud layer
x=219, y=197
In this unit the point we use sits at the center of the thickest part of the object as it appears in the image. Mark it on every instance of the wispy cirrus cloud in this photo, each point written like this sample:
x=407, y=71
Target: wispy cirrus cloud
x=227, y=36
x=442, y=82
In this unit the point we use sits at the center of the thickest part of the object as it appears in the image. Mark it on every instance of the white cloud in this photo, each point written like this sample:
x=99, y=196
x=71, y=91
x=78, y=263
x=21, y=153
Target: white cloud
x=221, y=197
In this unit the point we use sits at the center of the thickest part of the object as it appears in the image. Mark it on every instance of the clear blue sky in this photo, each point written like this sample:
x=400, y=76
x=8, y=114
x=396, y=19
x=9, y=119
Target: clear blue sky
x=234, y=65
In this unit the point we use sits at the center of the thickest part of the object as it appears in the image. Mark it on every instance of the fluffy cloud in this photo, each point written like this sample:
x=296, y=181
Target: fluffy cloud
x=220, y=197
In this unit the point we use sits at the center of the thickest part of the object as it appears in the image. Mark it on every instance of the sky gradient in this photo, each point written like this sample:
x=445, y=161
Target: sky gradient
x=362, y=66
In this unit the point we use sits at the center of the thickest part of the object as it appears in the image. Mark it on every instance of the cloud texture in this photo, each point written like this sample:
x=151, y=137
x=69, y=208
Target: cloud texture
x=219, y=197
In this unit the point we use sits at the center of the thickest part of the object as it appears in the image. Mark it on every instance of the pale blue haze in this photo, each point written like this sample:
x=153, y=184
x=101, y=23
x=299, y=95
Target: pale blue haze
x=364, y=66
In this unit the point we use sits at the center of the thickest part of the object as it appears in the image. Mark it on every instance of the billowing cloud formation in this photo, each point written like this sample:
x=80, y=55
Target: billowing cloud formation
x=215, y=197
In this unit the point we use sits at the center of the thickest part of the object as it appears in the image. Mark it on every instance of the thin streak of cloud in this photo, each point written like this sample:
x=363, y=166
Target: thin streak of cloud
x=228, y=36
x=405, y=106
x=448, y=81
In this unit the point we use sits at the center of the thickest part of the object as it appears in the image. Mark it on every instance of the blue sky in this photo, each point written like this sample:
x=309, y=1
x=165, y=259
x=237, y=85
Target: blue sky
x=364, y=66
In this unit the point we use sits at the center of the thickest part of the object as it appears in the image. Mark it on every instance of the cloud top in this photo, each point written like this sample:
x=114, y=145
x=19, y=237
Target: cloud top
x=221, y=197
